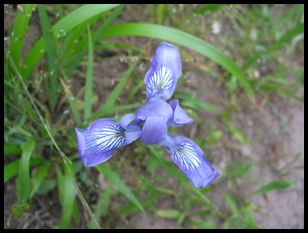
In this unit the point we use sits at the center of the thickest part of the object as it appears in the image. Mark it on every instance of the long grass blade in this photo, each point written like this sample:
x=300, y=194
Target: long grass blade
x=89, y=79
x=65, y=25
x=66, y=161
x=181, y=38
x=23, y=181
x=115, y=94
x=50, y=45
x=19, y=30
x=117, y=182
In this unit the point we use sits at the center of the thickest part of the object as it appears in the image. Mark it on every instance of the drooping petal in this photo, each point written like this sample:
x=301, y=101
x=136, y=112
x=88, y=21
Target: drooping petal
x=132, y=133
x=154, y=107
x=179, y=117
x=189, y=158
x=165, y=70
x=127, y=119
x=154, y=130
x=97, y=142
x=96, y=158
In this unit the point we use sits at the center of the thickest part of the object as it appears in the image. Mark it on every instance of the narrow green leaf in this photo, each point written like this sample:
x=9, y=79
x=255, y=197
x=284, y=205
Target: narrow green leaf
x=117, y=182
x=275, y=185
x=181, y=38
x=38, y=178
x=213, y=137
x=287, y=37
x=231, y=202
x=67, y=195
x=66, y=24
x=10, y=170
x=20, y=28
x=51, y=49
x=46, y=186
x=23, y=181
x=118, y=108
x=82, y=46
x=102, y=205
x=72, y=101
x=168, y=213
x=238, y=169
x=89, y=79
x=115, y=94
x=12, y=149
x=249, y=220
x=209, y=8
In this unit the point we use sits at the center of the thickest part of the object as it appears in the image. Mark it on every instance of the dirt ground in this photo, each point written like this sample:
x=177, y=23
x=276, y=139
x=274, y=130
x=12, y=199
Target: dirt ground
x=281, y=127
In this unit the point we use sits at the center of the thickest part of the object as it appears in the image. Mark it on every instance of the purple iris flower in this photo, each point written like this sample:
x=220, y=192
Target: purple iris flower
x=150, y=122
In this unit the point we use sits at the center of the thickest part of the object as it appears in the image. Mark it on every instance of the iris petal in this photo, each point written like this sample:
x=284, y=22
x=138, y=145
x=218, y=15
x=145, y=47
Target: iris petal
x=154, y=130
x=189, y=158
x=165, y=70
x=132, y=133
x=128, y=118
x=97, y=142
x=154, y=107
x=180, y=117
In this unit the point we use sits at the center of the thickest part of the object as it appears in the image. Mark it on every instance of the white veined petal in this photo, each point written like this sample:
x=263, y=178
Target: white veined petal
x=187, y=157
x=161, y=79
x=107, y=138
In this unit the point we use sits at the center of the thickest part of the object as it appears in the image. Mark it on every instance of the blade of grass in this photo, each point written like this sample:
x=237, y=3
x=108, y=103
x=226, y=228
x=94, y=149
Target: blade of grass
x=102, y=205
x=50, y=45
x=23, y=181
x=72, y=103
x=12, y=149
x=117, y=182
x=20, y=27
x=66, y=24
x=68, y=198
x=120, y=108
x=181, y=38
x=275, y=185
x=38, y=178
x=286, y=38
x=64, y=158
x=89, y=79
x=115, y=94
x=83, y=45
x=10, y=170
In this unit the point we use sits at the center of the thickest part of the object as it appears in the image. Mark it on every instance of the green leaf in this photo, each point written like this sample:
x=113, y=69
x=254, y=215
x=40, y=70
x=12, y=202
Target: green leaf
x=89, y=79
x=20, y=28
x=10, y=170
x=65, y=25
x=46, y=186
x=194, y=103
x=102, y=205
x=23, y=181
x=73, y=103
x=231, y=202
x=275, y=185
x=286, y=38
x=213, y=137
x=66, y=190
x=117, y=182
x=51, y=49
x=82, y=46
x=181, y=38
x=12, y=149
x=238, y=169
x=38, y=178
x=168, y=213
x=209, y=8
x=249, y=220
x=115, y=94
